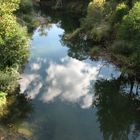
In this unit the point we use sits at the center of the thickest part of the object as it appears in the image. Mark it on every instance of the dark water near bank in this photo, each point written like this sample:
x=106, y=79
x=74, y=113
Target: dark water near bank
x=61, y=88
x=72, y=99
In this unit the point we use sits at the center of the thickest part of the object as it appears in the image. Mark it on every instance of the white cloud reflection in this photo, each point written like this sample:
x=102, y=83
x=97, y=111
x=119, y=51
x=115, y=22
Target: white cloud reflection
x=69, y=81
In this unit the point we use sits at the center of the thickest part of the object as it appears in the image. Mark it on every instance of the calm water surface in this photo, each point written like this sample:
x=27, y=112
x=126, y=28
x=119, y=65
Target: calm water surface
x=62, y=90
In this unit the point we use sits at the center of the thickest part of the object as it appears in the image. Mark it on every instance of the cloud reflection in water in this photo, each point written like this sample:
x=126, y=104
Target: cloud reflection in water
x=68, y=81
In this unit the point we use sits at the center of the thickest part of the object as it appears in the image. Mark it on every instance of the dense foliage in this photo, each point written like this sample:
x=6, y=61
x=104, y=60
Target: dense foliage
x=74, y=6
x=27, y=16
x=2, y=102
x=13, y=45
x=126, y=47
x=114, y=25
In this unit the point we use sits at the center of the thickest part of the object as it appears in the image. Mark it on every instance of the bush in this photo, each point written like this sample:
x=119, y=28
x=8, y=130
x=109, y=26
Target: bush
x=3, y=102
x=95, y=24
x=8, y=6
x=121, y=10
x=123, y=48
x=94, y=14
x=130, y=27
x=100, y=31
x=13, y=45
x=26, y=6
x=8, y=80
x=13, y=42
x=2, y=99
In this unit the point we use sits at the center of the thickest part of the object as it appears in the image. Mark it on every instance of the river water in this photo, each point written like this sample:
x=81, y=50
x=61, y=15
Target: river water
x=64, y=96
x=61, y=88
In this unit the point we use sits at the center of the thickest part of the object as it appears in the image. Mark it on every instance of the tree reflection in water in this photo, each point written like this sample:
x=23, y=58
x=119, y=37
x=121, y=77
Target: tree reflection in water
x=116, y=111
x=77, y=48
x=18, y=109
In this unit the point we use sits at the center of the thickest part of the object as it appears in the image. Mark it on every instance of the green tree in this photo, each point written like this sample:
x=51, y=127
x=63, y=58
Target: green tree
x=13, y=43
x=130, y=27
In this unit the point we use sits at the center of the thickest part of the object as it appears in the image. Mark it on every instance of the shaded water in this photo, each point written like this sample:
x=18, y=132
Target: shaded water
x=61, y=88
x=73, y=99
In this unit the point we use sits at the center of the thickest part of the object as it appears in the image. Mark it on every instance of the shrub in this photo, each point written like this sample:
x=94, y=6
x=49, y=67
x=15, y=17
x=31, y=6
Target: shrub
x=2, y=98
x=123, y=48
x=13, y=41
x=26, y=6
x=100, y=31
x=121, y=10
x=3, y=102
x=94, y=14
x=96, y=23
x=130, y=27
x=13, y=45
x=8, y=6
x=8, y=80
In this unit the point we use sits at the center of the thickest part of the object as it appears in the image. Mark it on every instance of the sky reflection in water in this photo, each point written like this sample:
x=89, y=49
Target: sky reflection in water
x=52, y=75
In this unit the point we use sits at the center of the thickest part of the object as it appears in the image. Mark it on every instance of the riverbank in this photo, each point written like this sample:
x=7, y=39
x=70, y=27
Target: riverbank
x=14, y=45
x=114, y=29
x=71, y=89
x=73, y=6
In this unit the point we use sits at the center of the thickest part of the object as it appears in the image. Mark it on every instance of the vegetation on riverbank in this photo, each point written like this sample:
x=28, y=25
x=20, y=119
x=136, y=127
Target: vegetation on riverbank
x=26, y=15
x=112, y=39
x=73, y=6
x=114, y=28
x=14, y=43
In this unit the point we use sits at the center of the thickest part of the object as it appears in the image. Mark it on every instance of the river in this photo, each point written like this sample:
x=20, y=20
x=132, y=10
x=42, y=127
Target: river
x=64, y=94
